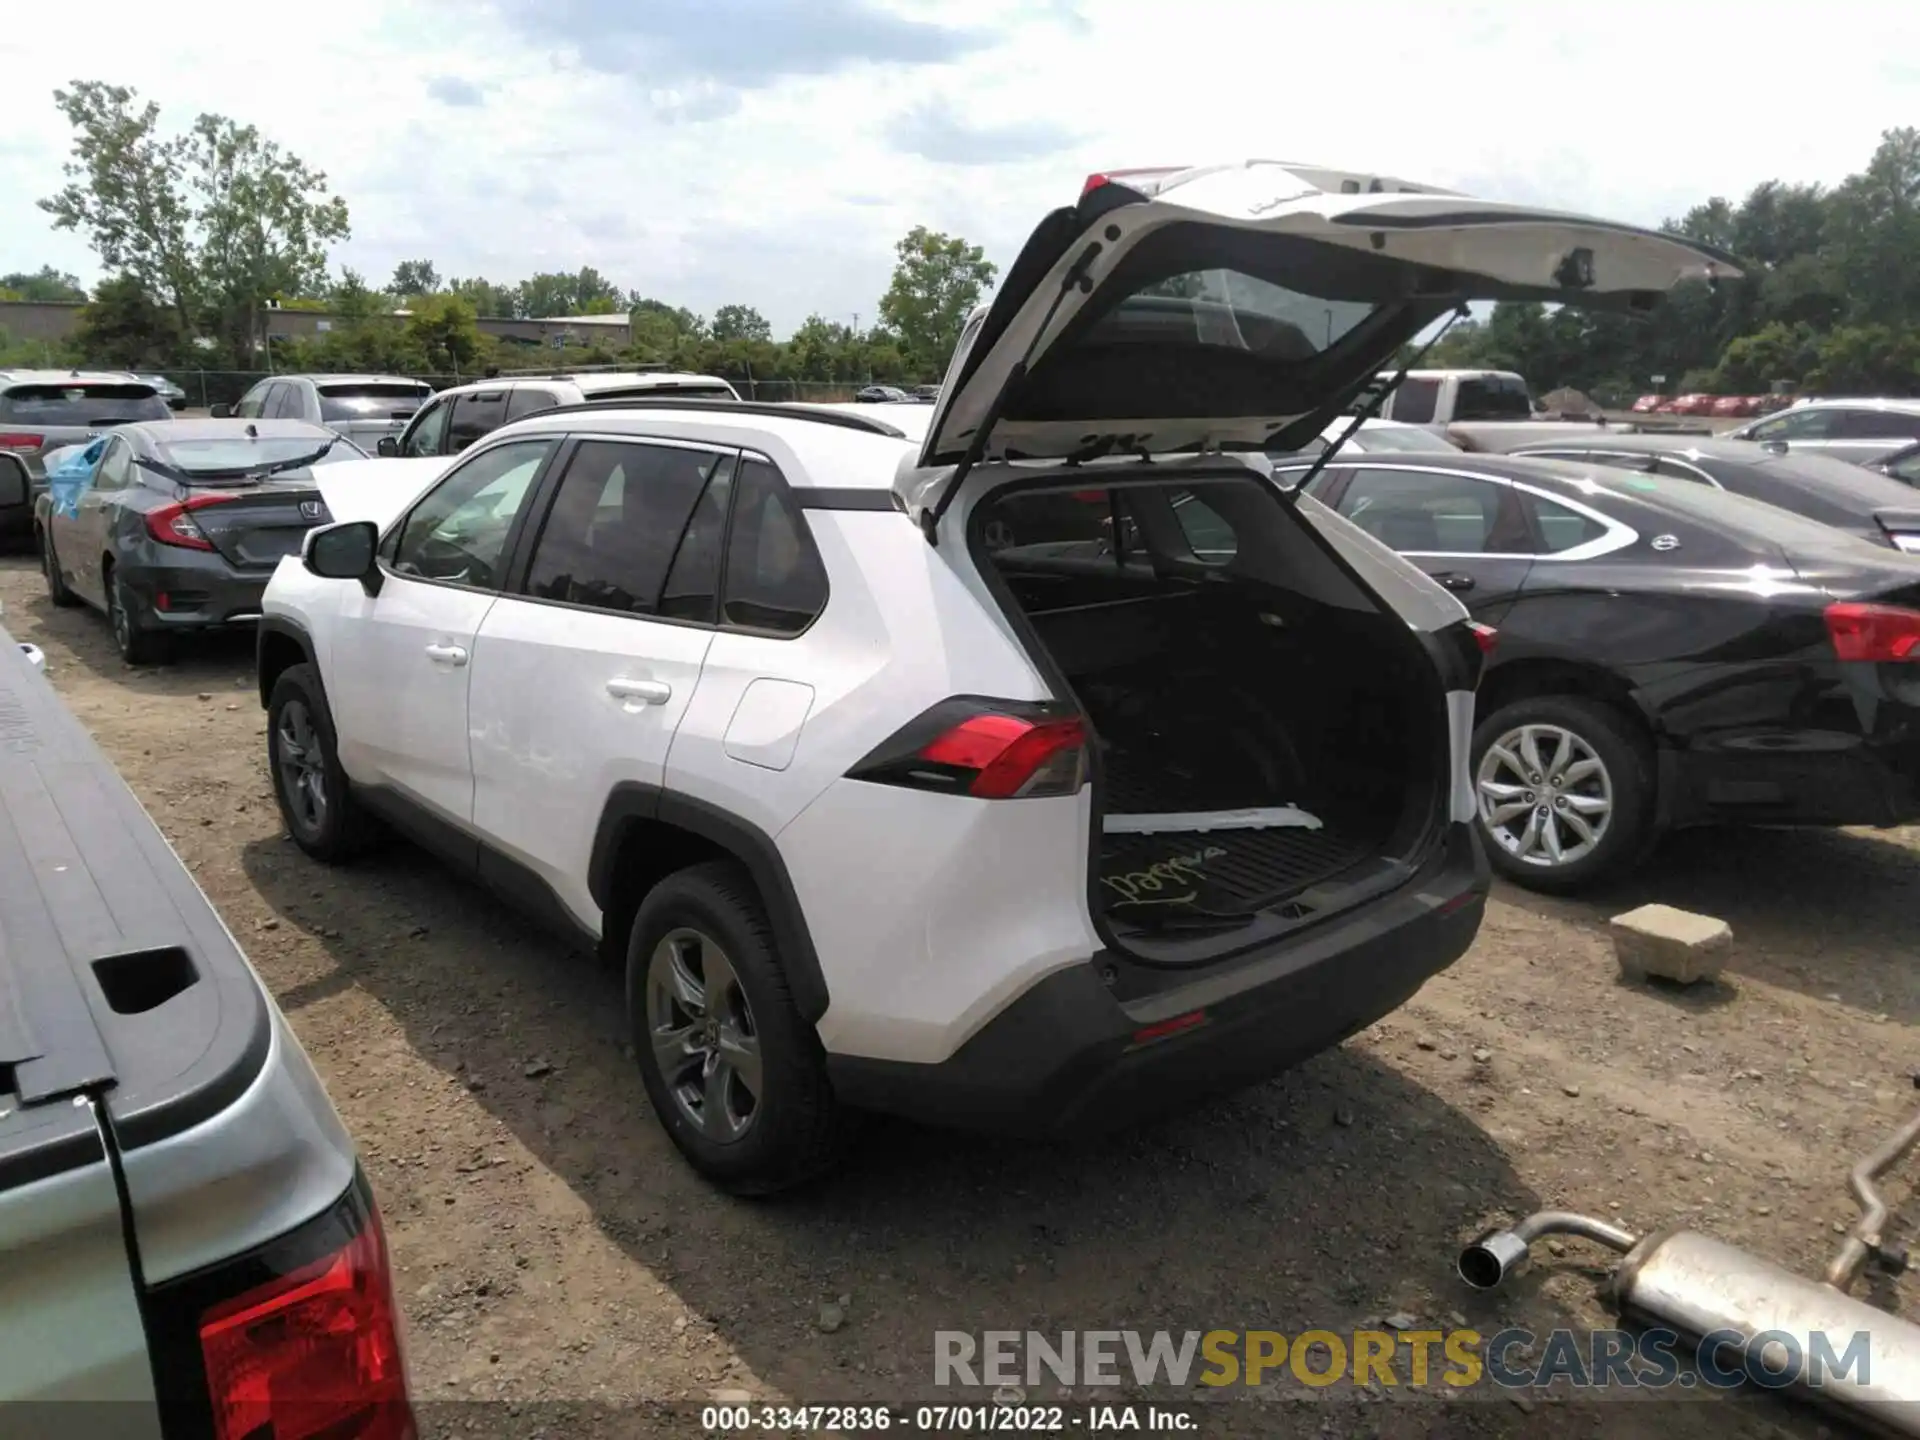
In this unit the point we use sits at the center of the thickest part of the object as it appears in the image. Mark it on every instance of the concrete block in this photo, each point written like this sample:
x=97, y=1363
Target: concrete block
x=1672, y=944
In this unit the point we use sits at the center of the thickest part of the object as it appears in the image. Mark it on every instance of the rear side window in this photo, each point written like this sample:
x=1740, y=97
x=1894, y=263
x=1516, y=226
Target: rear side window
x=1490, y=397
x=475, y=415
x=1880, y=425
x=617, y=520
x=526, y=399
x=774, y=578
x=1561, y=528
x=85, y=403
x=372, y=401
x=1420, y=513
x=1208, y=534
x=1414, y=401
x=290, y=406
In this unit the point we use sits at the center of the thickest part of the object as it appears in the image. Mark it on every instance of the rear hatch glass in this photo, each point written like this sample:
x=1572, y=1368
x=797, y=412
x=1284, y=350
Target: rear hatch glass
x=82, y=403
x=371, y=401
x=210, y=459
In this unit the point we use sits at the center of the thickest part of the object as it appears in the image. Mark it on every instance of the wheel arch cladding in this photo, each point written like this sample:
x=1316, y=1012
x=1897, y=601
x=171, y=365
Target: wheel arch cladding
x=279, y=647
x=646, y=834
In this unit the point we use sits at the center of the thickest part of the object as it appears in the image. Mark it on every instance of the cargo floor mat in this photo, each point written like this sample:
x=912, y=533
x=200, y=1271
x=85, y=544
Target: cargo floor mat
x=1219, y=878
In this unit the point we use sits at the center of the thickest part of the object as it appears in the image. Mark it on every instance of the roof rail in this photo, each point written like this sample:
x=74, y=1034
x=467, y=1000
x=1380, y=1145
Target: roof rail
x=567, y=372
x=782, y=410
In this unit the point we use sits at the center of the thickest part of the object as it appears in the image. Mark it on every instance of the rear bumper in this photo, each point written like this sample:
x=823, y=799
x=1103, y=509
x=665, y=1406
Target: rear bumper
x=195, y=596
x=1067, y=1057
x=1860, y=783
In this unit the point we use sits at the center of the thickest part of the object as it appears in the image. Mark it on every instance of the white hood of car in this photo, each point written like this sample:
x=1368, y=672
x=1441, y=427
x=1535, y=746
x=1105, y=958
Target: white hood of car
x=377, y=490
x=1126, y=327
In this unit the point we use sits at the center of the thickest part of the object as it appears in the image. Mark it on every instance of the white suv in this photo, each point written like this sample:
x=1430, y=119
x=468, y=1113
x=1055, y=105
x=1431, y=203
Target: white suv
x=461, y=414
x=945, y=778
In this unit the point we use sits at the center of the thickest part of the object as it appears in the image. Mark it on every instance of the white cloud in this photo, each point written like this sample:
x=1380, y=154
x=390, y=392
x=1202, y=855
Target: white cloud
x=769, y=153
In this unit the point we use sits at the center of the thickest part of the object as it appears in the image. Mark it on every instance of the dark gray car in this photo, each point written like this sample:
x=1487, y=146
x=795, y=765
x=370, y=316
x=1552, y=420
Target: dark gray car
x=188, y=1246
x=361, y=407
x=46, y=410
x=180, y=526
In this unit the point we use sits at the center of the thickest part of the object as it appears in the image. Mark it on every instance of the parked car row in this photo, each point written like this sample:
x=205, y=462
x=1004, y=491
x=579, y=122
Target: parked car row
x=1718, y=406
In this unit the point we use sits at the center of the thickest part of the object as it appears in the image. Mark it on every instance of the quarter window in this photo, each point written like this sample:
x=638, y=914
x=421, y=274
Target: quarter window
x=1418, y=512
x=1677, y=470
x=617, y=520
x=458, y=533
x=116, y=468
x=1562, y=528
x=774, y=578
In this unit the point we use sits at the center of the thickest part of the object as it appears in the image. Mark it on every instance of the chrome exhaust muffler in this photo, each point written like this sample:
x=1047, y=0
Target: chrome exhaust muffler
x=1755, y=1316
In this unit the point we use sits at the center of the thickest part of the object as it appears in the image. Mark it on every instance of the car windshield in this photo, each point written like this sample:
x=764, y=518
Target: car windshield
x=82, y=403
x=238, y=455
x=1231, y=310
x=375, y=401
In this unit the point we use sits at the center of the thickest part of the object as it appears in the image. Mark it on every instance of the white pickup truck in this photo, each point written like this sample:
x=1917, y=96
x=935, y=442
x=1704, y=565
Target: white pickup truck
x=1489, y=410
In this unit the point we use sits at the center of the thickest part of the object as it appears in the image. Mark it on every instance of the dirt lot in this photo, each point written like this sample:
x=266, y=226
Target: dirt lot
x=556, y=1258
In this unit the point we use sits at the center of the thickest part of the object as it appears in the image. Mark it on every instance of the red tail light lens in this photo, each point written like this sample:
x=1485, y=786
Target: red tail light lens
x=991, y=751
x=1874, y=633
x=311, y=1354
x=21, y=442
x=1125, y=177
x=1485, y=636
x=173, y=524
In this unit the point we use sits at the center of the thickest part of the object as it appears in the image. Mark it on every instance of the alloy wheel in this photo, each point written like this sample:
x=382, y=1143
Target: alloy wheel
x=302, y=766
x=1545, y=795
x=703, y=1035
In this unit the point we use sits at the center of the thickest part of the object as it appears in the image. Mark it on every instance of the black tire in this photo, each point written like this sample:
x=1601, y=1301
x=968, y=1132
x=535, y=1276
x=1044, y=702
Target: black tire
x=1627, y=765
x=794, y=1129
x=336, y=829
x=57, y=589
x=137, y=644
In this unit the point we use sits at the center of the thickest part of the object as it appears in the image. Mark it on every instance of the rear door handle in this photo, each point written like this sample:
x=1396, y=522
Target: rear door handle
x=447, y=654
x=652, y=692
x=1453, y=580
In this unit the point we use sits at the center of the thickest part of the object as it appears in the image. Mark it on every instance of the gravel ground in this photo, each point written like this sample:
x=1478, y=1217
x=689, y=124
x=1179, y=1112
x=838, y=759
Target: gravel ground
x=556, y=1259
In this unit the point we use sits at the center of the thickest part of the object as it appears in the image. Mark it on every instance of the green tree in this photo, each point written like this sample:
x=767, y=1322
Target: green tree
x=414, y=277
x=211, y=224
x=123, y=328
x=43, y=284
x=740, y=322
x=443, y=329
x=937, y=282
x=487, y=298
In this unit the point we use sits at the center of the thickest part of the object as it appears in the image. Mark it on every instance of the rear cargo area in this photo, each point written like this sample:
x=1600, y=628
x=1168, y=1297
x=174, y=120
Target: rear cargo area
x=1262, y=752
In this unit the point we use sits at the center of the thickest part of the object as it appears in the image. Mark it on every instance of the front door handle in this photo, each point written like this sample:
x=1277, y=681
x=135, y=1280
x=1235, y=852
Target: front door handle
x=447, y=654
x=652, y=692
x=1453, y=580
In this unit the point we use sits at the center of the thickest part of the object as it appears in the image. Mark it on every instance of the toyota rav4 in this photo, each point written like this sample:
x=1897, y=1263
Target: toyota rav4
x=950, y=777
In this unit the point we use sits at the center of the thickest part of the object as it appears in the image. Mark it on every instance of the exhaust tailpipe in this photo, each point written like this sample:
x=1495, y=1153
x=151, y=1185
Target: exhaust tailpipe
x=1782, y=1328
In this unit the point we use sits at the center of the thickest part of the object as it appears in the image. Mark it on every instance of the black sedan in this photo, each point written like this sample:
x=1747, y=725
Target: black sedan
x=178, y=526
x=1668, y=654
x=1835, y=492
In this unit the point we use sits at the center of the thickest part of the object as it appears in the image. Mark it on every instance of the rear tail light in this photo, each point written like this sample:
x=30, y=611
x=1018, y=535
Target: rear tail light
x=173, y=524
x=1485, y=636
x=992, y=750
x=1873, y=632
x=21, y=442
x=312, y=1353
x=1135, y=178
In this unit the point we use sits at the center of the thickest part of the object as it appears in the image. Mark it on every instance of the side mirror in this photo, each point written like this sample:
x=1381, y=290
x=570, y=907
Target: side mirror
x=344, y=552
x=389, y=446
x=220, y=412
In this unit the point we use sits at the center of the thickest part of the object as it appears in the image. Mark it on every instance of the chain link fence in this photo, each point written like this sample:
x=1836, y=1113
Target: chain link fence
x=206, y=388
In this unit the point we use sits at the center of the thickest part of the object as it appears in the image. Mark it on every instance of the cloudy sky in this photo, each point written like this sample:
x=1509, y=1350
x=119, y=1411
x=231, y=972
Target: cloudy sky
x=769, y=152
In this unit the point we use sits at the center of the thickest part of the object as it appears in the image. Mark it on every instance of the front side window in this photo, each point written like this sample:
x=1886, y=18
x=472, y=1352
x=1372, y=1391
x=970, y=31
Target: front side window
x=458, y=533
x=253, y=403
x=774, y=577
x=617, y=520
x=1420, y=513
x=480, y=413
x=429, y=432
x=1797, y=425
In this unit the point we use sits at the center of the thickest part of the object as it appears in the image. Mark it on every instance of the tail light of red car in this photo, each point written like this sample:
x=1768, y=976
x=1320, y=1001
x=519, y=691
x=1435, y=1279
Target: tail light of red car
x=989, y=749
x=300, y=1340
x=28, y=442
